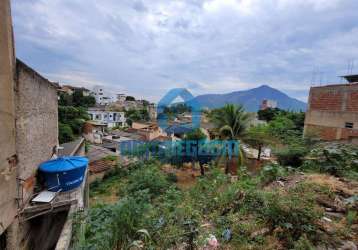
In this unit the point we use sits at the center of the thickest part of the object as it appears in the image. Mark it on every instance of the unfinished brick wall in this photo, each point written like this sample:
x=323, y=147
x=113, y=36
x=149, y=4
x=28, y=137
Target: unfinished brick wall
x=330, y=108
x=352, y=101
x=325, y=133
x=326, y=100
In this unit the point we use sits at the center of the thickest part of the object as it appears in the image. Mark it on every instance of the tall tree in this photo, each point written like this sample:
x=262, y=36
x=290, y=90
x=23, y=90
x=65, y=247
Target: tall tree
x=130, y=98
x=230, y=122
x=258, y=137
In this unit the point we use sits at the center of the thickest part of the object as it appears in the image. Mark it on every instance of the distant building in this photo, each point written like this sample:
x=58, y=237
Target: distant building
x=93, y=131
x=147, y=130
x=121, y=98
x=110, y=118
x=266, y=104
x=177, y=130
x=71, y=89
x=152, y=110
x=102, y=96
x=333, y=111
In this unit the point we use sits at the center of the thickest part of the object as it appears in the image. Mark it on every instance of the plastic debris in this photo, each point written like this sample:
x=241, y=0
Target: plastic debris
x=327, y=219
x=160, y=223
x=226, y=235
x=351, y=200
x=281, y=183
x=212, y=242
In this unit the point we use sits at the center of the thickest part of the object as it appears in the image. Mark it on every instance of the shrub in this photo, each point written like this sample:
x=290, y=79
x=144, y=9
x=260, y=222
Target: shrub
x=291, y=155
x=65, y=133
x=171, y=177
x=112, y=226
x=292, y=214
x=148, y=178
x=303, y=244
x=334, y=158
x=110, y=158
x=271, y=172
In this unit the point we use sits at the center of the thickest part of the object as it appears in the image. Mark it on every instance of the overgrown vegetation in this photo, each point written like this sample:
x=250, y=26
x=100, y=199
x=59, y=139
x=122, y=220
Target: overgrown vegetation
x=137, y=115
x=152, y=213
x=279, y=208
x=70, y=121
x=334, y=158
x=72, y=113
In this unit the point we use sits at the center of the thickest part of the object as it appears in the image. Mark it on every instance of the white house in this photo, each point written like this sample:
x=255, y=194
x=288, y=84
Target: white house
x=110, y=118
x=102, y=96
x=121, y=98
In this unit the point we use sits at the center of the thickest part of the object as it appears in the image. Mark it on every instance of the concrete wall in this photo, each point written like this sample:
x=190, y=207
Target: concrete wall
x=36, y=123
x=8, y=206
x=330, y=107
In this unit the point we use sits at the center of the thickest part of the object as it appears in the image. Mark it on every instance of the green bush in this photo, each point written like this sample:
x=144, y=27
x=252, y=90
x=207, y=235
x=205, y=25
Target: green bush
x=110, y=158
x=303, y=244
x=292, y=155
x=271, y=173
x=147, y=178
x=294, y=212
x=112, y=226
x=171, y=177
x=65, y=133
x=334, y=158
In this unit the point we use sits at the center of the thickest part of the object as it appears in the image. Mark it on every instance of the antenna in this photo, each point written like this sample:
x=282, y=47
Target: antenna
x=312, y=78
x=350, y=67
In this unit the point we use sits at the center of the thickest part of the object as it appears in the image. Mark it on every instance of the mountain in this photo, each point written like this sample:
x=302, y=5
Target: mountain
x=251, y=99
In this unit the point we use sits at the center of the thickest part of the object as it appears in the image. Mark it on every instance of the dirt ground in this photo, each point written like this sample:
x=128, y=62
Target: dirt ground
x=186, y=175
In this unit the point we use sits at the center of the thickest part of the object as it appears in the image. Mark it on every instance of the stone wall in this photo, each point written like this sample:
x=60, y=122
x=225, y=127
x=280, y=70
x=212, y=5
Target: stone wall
x=36, y=123
x=330, y=108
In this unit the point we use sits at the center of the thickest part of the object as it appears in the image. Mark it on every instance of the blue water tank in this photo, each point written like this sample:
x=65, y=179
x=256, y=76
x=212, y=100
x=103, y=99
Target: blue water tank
x=64, y=173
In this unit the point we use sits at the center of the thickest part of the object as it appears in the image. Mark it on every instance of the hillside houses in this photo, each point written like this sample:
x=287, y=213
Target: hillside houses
x=109, y=118
x=68, y=89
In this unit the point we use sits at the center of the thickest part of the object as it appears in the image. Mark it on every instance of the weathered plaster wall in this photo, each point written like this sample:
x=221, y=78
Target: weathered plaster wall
x=8, y=206
x=36, y=123
x=330, y=107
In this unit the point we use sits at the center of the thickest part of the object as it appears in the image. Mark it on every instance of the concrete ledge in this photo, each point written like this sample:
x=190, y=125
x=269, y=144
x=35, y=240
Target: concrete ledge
x=65, y=238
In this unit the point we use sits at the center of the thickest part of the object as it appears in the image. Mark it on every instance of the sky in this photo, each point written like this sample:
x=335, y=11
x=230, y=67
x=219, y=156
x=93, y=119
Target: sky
x=146, y=47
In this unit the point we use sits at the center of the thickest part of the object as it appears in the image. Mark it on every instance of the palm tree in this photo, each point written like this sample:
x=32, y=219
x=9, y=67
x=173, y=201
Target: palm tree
x=231, y=123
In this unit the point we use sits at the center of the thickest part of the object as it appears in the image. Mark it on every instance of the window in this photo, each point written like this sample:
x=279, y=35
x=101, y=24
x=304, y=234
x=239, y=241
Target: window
x=98, y=117
x=349, y=125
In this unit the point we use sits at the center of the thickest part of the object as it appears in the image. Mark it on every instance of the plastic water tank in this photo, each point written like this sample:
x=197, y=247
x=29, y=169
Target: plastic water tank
x=64, y=173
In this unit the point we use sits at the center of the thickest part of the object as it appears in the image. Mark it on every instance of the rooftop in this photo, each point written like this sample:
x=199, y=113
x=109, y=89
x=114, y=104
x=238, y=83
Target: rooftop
x=351, y=78
x=70, y=148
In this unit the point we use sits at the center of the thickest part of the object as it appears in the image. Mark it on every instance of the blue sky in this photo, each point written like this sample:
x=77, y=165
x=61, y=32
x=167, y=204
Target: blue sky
x=145, y=47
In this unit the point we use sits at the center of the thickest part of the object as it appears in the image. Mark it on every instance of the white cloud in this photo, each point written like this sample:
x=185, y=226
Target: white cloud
x=149, y=46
